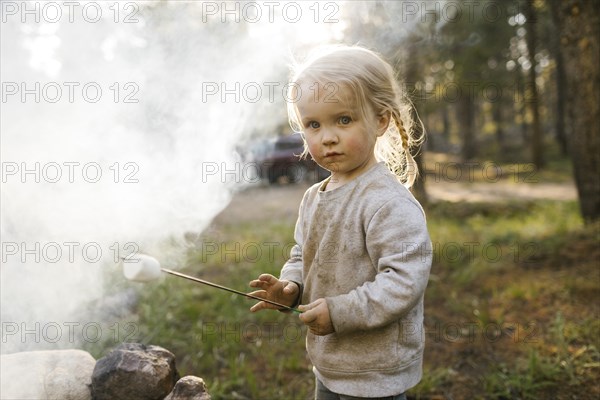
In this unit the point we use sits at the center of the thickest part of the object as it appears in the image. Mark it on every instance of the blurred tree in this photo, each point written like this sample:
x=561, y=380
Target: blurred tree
x=579, y=27
x=477, y=47
x=412, y=75
x=468, y=69
x=537, y=153
x=561, y=136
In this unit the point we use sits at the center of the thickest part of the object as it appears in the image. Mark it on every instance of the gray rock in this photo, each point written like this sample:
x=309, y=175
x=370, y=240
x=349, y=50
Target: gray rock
x=134, y=371
x=45, y=375
x=189, y=388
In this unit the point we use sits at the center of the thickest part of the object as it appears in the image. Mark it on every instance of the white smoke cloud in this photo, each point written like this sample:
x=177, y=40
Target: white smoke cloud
x=114, y=139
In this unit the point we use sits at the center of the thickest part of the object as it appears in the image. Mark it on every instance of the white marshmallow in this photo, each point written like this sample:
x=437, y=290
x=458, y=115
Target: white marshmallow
x=141, y=268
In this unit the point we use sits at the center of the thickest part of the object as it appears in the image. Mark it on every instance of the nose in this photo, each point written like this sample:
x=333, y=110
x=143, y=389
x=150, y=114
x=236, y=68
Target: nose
x=329, y=137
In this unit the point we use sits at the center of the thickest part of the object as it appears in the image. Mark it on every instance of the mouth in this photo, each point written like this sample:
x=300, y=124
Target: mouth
x=332, y=154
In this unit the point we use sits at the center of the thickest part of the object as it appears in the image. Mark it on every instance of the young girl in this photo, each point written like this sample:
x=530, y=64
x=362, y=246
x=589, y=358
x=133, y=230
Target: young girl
x=362, y=255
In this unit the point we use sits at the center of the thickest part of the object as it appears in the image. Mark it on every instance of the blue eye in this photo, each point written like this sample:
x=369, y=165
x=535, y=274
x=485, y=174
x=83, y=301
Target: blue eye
x=345, y=120
x=314, y=125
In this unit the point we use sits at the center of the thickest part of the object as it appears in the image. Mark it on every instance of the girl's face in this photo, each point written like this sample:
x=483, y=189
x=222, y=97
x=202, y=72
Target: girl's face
x=339, y=138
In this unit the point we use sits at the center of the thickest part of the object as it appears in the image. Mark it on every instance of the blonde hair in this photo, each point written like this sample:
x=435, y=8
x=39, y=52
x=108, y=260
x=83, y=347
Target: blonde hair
x=372, y=82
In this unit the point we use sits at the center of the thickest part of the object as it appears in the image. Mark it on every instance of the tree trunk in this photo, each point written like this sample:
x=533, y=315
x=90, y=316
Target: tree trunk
x=467, y=120
x=428, y=120
x=418, y=187
x=579, y=27
x=412, y=74
x=446, y=123
x=498, y=121
x=521, y=107
x=561, y=136
x=537, y=147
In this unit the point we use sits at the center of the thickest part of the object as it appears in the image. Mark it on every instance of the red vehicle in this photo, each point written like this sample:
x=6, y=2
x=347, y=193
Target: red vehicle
x=282, y=160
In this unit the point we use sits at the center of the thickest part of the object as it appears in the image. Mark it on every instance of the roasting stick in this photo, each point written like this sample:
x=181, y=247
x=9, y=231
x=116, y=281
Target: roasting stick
x=202, y=281
x=143, y=268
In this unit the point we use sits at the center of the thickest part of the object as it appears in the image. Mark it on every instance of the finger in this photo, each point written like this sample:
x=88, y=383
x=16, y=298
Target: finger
x=259, y=284
x=304, y=307
x=290, y=288
x=259, y=293
x=308, y=317
x=264, y=281
x=262, y=306
x=258, y=306
x=310, y=306
x=268, y=278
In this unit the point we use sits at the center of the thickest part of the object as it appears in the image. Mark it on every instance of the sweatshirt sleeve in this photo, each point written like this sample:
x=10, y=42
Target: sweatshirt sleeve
x=292, y=269
x=398, y=243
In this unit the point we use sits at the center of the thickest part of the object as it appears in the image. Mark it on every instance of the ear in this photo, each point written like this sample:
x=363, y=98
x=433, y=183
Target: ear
x=383, y=121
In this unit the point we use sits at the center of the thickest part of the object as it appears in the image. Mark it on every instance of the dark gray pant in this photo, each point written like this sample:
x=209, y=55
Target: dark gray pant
x=322, y=393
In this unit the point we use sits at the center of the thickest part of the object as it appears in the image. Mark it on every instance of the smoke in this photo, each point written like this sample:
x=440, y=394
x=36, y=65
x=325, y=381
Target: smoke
x=120, y=125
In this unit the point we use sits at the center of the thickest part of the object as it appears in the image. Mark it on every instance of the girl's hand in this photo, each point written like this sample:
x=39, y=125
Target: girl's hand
x=316, y=316
x=280, y=291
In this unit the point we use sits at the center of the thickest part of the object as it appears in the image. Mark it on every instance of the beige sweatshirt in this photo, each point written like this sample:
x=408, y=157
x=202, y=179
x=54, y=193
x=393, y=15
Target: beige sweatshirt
x=364, y=247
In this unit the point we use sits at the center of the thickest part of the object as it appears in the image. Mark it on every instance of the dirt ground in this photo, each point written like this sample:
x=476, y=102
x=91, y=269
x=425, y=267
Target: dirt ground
x=282, y=200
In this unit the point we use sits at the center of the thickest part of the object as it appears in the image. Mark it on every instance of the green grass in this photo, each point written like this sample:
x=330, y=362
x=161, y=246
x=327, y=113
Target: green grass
x=544, y=267
x=212, y=333
x=518, y=266
x=543, y=371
